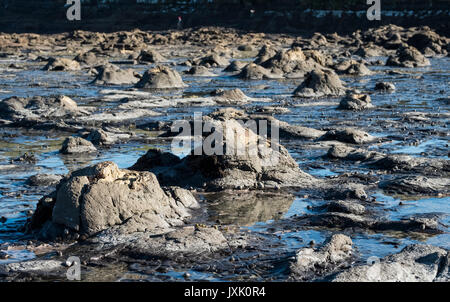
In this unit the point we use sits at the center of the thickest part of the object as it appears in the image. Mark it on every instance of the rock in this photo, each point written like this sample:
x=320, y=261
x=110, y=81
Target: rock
x=113, y=75
x=352, y=67
x=77, y=145
x=245, y=48
x=417, y=185
x=428, y=42
x=99, y=137
x=213, y=60
x=415, y=263
x=150, y=56
x=99, y=197
x=32, y=266
x=235, y=66
x=336, y=220
x=292, y=61
x=320, y=83
x=62, y=64
x=161, y=77
x=385, y=86
x=200, y=71
x=240, y=166
x=265, y=53
x=348, y=135
x=342, y=206
x=256, y=72
x=349, y=191
x=43, y=180
x=408, y=57
x=230, y=97
x=29, y=111
x=353, y=154
x=406, y=163
x=189, y=241
x=89, y=58
x=311, y=263
x=355, y=102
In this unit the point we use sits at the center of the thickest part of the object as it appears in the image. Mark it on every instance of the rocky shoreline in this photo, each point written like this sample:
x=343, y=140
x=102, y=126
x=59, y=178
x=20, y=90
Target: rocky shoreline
x=196, y=214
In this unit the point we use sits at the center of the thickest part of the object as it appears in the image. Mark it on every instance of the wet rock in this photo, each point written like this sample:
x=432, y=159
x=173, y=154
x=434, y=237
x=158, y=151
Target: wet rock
x=31, y=110
x=186, y=241
x=90, y=58
x=385, y=86
x=256, y=72
x=230, y=97
x=32, y=266
x=415, y=185
x=213, y=60
x=103, y=196
x=265, y=53
x=348, y=135
x=200, y=71
x=428, y=42
x=161, y=77
x=356, y=102
x=245, y=48
x=113, y=75
x=415, y=263
x=151, y=56
x=44, y=180
x=342, y=206
x=289, y=131
x=99, y=137
x=353, y=154
x=62, y=64
x=335, y=220
x=77, y=145
x=235, y=66
x=241, y=166
x=320, y=83
x=408, y=57
x=349, y=191
x=406, y=163
x=26, y=158
x=311, y=263
x=352, y=67
x=369, y=51
x=291, y=63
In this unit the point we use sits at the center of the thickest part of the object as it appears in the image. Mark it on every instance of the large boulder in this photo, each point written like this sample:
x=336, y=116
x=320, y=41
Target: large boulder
x=320, y=83
x=161, y=77
x=247, y=162
x=407, y=57
x=256, y=72
x=103, y=196
x=112, y=75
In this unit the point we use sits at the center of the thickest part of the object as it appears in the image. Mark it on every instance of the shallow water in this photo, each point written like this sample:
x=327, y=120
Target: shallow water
x=417, y=90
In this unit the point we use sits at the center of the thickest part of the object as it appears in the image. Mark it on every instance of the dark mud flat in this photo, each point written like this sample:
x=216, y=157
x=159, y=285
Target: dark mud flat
x=87, y=168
